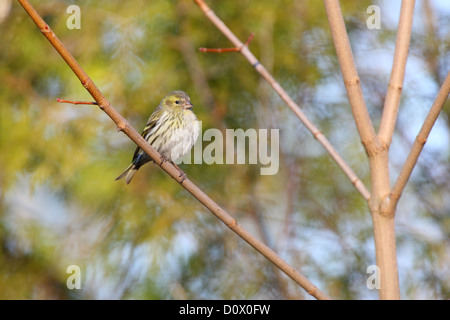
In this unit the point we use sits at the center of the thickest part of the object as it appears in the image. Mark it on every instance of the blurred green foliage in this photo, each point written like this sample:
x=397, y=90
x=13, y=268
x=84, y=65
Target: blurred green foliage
x=151, y=239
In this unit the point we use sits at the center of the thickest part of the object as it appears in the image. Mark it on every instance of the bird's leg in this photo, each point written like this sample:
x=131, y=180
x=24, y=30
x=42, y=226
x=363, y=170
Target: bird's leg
x=163, y=159
x=182, y=174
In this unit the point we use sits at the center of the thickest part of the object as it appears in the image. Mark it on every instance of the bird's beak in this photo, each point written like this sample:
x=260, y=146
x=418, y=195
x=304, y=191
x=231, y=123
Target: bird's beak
x=188, y=105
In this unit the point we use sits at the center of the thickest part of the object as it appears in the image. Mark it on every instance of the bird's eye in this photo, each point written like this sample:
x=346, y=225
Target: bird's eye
x=177, y=102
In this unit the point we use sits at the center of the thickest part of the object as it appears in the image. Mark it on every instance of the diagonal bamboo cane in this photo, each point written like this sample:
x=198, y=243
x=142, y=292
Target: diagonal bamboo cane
x=419, y=142
x=244, y=50
x=126, y=128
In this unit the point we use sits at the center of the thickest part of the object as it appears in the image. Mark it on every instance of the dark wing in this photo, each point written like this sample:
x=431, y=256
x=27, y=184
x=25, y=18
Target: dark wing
x=150, y=125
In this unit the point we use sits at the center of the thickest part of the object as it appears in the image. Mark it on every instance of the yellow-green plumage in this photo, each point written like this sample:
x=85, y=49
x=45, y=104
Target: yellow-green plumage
x=172, y=130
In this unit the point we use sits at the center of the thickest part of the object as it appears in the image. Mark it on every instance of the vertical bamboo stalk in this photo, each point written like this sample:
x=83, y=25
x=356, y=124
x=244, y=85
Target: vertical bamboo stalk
x=394, y=92
x=382, y=217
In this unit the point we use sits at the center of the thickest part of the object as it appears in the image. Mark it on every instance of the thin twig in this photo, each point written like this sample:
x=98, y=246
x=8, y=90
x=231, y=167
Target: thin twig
x=244, y=50
x=77, y=102
x=394, y=92
x=124, y=126
x=419, y=142
x=235, y=49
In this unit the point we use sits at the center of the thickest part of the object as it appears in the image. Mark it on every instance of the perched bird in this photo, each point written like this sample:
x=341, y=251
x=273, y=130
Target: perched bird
x=172, y=130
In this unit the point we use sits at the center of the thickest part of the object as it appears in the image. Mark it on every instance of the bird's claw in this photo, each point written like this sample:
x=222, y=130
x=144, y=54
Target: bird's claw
x=163, y=159
x=182, y=176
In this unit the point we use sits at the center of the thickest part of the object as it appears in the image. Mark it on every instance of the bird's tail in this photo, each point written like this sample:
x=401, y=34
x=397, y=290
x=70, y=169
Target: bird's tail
x=129, y=173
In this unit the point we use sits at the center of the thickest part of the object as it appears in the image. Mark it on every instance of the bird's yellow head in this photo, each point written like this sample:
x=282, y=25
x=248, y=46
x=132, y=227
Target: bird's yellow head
x=176, y=100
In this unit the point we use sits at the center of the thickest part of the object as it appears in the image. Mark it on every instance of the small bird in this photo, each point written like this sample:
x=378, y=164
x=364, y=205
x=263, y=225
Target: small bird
x=172, y=130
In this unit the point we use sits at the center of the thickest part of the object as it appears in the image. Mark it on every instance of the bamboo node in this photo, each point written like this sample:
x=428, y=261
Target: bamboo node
x=46, y=29
x=422, y=141
x=316, y=134
x=352, y=82
x=121, y=126
x=395, y=87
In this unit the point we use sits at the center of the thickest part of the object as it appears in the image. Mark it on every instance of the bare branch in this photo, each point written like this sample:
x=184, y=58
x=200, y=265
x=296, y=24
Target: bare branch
x=286, y=98
x=235, y=49
x=124, y=126
x=77, y=102
x=383, y=220
x=394, y=92
x=420, y=141
x=350, y=75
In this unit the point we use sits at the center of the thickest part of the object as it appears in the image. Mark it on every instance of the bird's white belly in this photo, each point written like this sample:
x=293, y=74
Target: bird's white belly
x=181, y=140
